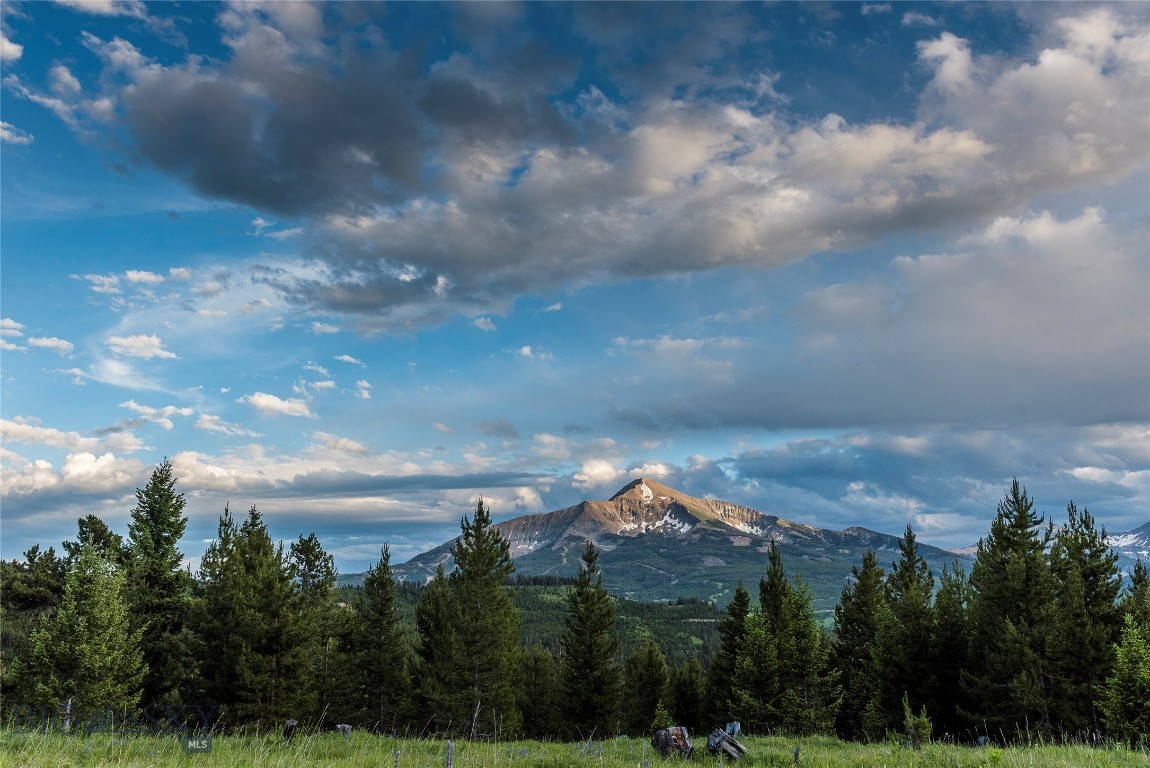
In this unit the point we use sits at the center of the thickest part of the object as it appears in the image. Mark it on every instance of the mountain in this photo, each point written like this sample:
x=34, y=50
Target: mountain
x=659, y=544
x=1131, y=547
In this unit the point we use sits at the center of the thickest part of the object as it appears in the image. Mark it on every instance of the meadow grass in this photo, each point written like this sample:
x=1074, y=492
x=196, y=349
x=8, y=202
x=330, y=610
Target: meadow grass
x=364, y=750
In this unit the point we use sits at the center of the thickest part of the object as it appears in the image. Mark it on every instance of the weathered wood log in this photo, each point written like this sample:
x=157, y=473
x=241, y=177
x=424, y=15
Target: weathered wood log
x=345, y=729
x=721, y=741
x=289, y=729
x=674, y=739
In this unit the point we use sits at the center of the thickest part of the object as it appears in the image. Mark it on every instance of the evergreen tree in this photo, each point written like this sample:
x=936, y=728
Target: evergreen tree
x=1010, y=684
x=810, y=689
x=903, y=644
x=318, y=624
x=247, y=621
x=1085, y=621
x=1127, y=690
x=110, y=545
x=439, y=647
x=378, y=654
x=756, y=686
x=721, y=672
x=1136, y=601
x=646, y=678
x=541, y=694
x=157, y=584
x=774, y=590
x=950, y=653
x=87, y=651
x=856, y=627
x=590, y=675
x=488, y=627
x=36, y=585
x=687, y=696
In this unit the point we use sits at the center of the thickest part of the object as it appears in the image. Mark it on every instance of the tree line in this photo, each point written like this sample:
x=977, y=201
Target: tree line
x=1038, y=641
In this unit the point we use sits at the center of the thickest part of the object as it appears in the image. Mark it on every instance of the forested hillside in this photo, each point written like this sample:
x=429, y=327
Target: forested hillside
x=1039, y=640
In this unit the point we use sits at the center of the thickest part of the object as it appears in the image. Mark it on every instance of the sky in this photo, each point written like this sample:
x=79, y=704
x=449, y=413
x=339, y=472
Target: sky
x=360, y=265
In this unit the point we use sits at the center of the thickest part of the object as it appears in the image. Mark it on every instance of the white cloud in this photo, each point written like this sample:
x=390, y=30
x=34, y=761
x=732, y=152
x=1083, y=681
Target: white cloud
x=534, y=353
x=141, y=276
x=8, y=346
x=9, y=327
x=317, y=368
x=77, y=375
x=59, y=346
x=442, y=428
x=10, y=134
x=146, y=347
x=133, y=8
x=916, y=19
x=869, y=8
x=323, y=328
x=484, y=324
x=556, y=307
x=322, y=385
x=23, y=431
x=337, y=444
x=9, y=51
x=210, y=423
x=101, y=283
x=179, y=273
x=270, y=405
x=362, y=390
x=159, y=416
x=598, y=473
x=349, y=359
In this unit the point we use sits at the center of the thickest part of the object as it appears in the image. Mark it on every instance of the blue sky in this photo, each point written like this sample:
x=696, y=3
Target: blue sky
x=361, y=265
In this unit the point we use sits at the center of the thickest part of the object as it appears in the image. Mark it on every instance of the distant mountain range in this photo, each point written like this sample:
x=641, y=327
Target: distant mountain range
x=659, y=544
x=656, y=543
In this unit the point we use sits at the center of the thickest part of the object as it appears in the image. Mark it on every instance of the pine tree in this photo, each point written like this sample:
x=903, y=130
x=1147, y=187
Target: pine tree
x=109, y=544
x=903, y=644
x=1136, y=602
x=1127, y=690
x=810, y=689
x=591, y=677
x=87, y=651
x=1013, y=590
x=438, y=683
x=774, y=590
x=647, y=677
x=1085, y=621
x=721, y=672
x=856, y=627
x=687, y=696
x=247, y=623
x=541, y=694
x=157, y=584
x=318, y=619
x=756, y=685
x=950, y=652
x=488, y=627
x=378, y=654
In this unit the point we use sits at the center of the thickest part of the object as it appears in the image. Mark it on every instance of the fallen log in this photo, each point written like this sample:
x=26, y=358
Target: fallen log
x=721, y=741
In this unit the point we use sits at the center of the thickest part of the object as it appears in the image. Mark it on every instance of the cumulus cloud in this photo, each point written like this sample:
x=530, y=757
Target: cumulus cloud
x=484, y=324
x=349, y=359
x=536, y=192
x=323, y=329
x=144, y=346
x=26, y=431
x=334, y=443
x=270, y=405
x=59, y=346
x=158, y=416
x=362, y=389
x=9, y=51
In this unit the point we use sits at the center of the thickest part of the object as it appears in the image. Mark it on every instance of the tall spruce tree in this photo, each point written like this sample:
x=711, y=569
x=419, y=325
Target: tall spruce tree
x=687, y=695
x=109, y=544
x=950, y=653
x=86, y=652
x=380, y=684
x=1085, y=623
x=647, y=677
x=1009, y=683
x=1136, y=602
x=542, y=694
x=721, y=672
x=247, y=622
x=904, y=641
x=810, y=688
x=774, y=590
x=591, y=677
x=157, y=591
x=488, y=627
x=318, y=624
x=1127, y=690
x=438, y=684
x=856, y=628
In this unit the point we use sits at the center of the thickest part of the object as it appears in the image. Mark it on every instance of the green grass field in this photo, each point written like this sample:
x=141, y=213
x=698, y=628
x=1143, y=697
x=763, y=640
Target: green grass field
x=35, y=750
